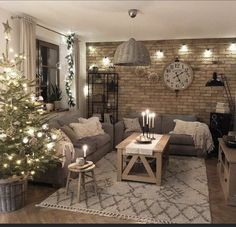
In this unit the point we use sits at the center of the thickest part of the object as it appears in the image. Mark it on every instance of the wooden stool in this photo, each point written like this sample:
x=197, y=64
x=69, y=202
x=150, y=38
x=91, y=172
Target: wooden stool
x=83, y=171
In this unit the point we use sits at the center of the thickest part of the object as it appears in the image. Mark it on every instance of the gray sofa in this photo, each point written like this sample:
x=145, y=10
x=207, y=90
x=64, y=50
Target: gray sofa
x=164, y=124
x=98, y=146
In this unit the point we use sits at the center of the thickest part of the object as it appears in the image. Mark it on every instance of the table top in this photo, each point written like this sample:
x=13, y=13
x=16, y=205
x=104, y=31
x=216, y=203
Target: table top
x=160, y=147
x=230, y=153
x=74, y=167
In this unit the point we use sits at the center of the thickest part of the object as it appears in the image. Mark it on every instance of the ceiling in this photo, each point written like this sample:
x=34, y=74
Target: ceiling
x=109, y=20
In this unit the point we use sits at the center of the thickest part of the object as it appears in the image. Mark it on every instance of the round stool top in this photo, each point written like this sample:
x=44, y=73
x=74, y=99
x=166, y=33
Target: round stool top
x=74, y=167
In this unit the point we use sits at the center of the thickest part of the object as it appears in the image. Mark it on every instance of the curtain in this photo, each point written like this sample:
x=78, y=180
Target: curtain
x=28, y=47
x=77, y=68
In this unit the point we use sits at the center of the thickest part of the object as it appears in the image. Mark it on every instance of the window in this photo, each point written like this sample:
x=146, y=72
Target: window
x=47, y=68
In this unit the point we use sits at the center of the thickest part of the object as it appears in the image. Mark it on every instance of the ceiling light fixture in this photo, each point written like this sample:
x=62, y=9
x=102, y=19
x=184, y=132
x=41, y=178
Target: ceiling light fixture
x=132, y=52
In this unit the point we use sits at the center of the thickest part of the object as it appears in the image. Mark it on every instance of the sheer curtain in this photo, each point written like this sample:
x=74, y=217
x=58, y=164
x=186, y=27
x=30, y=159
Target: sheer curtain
x=28, y=47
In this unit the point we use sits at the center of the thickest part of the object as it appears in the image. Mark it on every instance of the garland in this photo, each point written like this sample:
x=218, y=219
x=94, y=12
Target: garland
x=70, y=62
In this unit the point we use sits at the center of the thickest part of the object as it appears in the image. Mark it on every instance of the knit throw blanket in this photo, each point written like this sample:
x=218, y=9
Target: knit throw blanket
x=200, y=133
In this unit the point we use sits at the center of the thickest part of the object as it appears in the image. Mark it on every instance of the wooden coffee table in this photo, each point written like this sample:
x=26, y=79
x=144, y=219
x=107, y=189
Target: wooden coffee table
x=160, y=153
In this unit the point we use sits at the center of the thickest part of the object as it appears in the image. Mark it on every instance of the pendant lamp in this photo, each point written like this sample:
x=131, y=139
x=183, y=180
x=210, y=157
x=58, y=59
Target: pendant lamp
x=132, y=52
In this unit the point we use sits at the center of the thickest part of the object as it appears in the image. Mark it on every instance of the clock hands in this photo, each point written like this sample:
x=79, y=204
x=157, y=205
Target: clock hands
x=177, y=75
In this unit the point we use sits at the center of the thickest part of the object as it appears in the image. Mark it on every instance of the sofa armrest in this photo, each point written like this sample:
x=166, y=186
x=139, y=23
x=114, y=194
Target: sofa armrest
x=109, y=129
x=119, y=132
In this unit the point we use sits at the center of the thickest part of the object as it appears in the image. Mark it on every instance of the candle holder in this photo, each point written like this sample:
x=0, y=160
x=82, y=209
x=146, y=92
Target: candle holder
x=153, y=135
x=85, y=160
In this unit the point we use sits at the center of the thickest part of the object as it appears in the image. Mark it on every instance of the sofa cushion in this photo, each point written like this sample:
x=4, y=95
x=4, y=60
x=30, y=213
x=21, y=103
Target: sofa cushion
x=69, y=132
x=168, y=123
x=180, y=139
x=132, y=125
x=83, y=130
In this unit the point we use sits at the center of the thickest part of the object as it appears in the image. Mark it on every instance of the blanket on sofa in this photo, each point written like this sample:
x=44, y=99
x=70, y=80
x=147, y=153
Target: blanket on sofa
x=200, y=133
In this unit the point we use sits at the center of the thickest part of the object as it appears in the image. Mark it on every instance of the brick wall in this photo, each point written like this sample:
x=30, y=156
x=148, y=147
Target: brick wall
x=138, y=92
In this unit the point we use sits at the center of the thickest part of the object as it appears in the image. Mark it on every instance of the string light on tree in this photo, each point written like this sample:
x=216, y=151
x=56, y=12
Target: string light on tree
x=24, y=135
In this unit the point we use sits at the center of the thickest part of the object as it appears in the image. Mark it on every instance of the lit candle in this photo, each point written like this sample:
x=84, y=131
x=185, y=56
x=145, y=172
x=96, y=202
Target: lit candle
x=147, y=119
x=153, y=120
x=150, y=120
x=143, y=114
x=85, y=148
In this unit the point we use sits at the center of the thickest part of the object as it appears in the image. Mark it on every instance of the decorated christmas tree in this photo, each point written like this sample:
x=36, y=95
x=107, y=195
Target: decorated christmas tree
x=27, y=145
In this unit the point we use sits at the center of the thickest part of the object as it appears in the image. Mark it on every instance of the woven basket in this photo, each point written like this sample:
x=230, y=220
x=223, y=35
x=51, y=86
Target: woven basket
x=12, y=194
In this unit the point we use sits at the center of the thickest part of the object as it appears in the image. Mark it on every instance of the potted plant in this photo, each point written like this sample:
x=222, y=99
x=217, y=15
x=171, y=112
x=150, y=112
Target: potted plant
x=49, y=102
x=57, y=94
x=27, y=145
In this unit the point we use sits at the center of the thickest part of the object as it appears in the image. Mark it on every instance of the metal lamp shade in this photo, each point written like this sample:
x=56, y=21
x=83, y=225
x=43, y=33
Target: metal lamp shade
x=215, y=81
x=131, y=53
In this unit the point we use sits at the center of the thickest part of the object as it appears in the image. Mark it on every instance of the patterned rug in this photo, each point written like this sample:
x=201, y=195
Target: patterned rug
x=183, y=197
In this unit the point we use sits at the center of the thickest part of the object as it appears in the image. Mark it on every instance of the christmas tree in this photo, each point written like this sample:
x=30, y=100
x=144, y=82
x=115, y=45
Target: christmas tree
x=26, y=143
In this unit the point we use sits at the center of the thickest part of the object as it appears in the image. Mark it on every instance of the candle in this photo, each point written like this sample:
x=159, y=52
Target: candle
x=85, y=148
x=153, y=120
x=143, y=114
x=150, y=120
x=147, y=114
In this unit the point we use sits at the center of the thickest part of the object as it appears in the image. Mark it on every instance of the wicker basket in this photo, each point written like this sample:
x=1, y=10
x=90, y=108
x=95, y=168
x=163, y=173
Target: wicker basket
x=12, y=194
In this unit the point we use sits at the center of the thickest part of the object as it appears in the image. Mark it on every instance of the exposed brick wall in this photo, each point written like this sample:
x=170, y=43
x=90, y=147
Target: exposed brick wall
x=136, y=93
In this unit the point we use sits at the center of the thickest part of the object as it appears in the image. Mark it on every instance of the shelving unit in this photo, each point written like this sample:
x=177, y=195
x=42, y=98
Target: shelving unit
x=103, y=96
x=226, y=170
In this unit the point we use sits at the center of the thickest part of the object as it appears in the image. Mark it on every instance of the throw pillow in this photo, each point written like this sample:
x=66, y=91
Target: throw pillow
x=85, y=129
x=184, y=127
x=69, y=132
x=95, y=119
x=132, y=125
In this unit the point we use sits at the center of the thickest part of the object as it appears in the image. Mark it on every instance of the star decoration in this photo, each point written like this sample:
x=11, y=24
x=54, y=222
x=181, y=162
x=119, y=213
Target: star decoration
x=7, y=28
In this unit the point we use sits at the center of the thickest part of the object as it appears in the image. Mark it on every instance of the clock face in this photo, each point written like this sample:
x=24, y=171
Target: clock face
x=178, y=75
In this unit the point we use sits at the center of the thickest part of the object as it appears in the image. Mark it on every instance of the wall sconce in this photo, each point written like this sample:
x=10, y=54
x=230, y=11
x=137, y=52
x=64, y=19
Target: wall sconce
x=106, y=61
x=232, y=47
x=91, y=49
x=85, y=90
x=160, y=54
x=207, y=53
x=183, y=48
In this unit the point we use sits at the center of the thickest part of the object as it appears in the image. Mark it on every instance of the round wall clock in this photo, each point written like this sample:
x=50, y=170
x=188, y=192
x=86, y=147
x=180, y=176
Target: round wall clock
x=178, y=75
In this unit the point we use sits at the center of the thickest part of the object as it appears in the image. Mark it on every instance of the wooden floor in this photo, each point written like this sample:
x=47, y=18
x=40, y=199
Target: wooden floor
x=221, y=213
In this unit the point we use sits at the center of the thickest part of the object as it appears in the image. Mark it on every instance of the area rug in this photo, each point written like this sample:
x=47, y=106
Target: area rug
x=182, y=198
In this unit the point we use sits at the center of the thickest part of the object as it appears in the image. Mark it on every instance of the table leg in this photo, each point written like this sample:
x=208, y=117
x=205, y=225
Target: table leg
x=68, y=182
x=158, y=168
x=119, y=164
x=79, y=187
x=83, y=185
x=94, y=183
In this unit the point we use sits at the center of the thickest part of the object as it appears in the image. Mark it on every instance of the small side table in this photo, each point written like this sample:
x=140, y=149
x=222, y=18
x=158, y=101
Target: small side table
x=83, y=171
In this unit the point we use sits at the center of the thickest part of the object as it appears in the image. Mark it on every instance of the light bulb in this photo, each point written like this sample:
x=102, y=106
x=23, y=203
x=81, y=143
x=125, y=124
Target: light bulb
x=54, y=136
x=184, y=48
x=18, y=162
x=31, y=131
x=22, y=173
x=207, y=53
x=25, y=140
x=106, y=61
x=29, y=161
x=45, y=126
x=50, y=146
x=32, y=172
x=11, y=50
x=14, y=108
x=39, y=134
x=232, y=47
x=159, y=54
x=10, y=157
x=91, y=49
x=37, y=160
x=5, y=165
